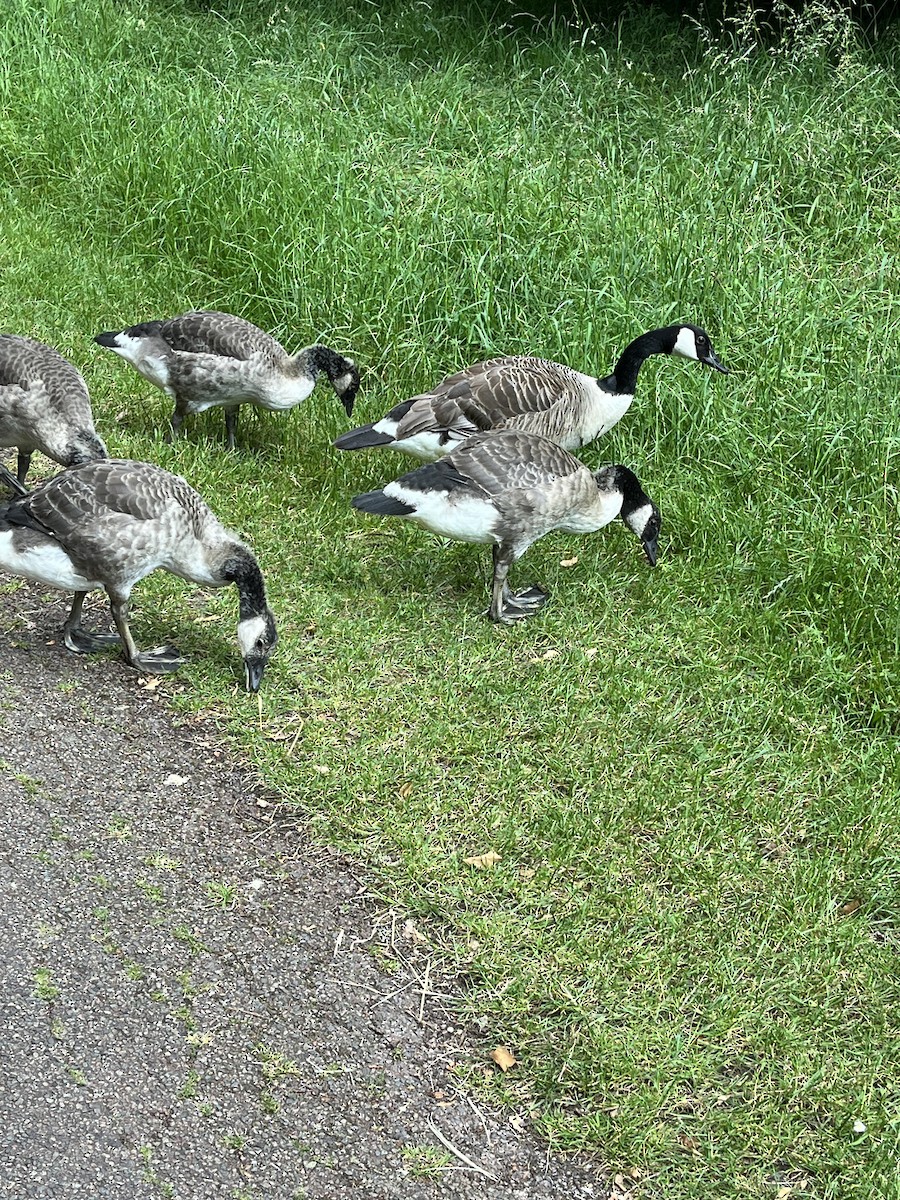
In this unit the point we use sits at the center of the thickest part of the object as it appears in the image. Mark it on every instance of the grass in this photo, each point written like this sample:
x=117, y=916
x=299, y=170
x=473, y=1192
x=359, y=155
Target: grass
x=690, y=774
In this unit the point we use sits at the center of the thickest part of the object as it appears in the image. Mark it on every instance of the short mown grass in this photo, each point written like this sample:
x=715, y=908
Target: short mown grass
x=690, y=939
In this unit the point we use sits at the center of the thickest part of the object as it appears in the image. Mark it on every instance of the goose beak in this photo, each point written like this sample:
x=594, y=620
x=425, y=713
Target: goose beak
x=712, y=361
x=253, y=673
x=347, y=401
x=650, y=548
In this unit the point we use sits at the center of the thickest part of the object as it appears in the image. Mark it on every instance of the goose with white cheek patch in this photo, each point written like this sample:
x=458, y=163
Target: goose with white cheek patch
x=508, y=489
x=108, y=525
x=206, y=359
x=519, y=392
x=44, y=405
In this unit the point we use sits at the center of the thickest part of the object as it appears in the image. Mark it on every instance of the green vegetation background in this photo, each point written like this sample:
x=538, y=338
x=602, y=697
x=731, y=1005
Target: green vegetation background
x=690, y=773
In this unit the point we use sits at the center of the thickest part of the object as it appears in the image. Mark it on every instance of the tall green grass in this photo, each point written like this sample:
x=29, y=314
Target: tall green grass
x=690, y=773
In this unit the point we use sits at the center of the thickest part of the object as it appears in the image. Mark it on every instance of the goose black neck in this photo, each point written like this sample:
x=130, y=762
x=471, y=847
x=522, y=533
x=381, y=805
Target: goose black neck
x=243, y=571
x=623, y=380
x=633, y=495
x=320, y=358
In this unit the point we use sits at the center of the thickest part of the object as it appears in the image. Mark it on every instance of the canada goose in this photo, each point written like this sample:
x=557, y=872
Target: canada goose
x=207, y=359
x=525, y=393
x=510, y=488
x=107, y=525
x=44, y=405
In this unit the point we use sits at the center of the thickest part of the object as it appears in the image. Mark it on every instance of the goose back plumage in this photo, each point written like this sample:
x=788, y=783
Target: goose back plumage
x=44, y=405
x=122, y=520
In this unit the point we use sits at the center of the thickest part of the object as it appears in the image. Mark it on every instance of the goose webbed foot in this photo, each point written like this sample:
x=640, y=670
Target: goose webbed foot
x=533, y=598
x=89, y=643
x=77, y=640
x=518, y=606
x=161, y=660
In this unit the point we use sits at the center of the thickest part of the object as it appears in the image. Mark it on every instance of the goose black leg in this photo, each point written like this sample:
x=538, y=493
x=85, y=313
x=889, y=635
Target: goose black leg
x=160, y=661
x=506, y=606
x=23, y=462
x=231, y=416
x=176, y=420
x=499, y=590
x=75, y=637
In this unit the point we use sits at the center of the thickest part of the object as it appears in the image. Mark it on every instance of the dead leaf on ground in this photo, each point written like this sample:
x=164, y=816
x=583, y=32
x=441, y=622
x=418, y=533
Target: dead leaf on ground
x=851, y=906
x=405, y=790
x=483, y=861
x=687, y=1142
x=504, y=1057
x=175, y=780
x=410, y=931
x=568, y=562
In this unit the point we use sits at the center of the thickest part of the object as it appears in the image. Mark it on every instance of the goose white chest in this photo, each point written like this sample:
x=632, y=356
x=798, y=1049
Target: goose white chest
x=600, y=411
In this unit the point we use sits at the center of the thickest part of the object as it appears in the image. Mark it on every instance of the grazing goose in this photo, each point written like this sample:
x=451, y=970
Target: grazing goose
x=525, y=393
x=107, y=525
x=207, y=359
x=510, y=488
x=44, y=405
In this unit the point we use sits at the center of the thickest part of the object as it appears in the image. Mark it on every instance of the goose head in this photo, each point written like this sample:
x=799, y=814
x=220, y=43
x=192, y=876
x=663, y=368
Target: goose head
x=84, y=447
x=342, y=373
x=638, y=511
x=347, y=385
x=256, y=630
x=690, y=341
x=257, y=636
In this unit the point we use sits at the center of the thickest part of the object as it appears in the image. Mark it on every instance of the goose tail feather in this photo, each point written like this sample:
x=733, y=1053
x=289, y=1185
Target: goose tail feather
x=359, y=439
x=382, y=504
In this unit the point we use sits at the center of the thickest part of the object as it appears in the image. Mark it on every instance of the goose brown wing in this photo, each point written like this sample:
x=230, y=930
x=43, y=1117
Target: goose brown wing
x=467, y=373
x=510, y=387
x=511, y=460
x=76, y=505
x=207, y=332
x=24, y=361
x=486, y=395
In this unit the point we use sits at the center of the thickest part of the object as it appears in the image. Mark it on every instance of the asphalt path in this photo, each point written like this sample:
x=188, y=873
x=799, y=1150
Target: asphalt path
x=193, y=1000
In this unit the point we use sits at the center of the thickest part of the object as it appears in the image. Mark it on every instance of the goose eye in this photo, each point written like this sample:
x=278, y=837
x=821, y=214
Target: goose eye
x=260, y=646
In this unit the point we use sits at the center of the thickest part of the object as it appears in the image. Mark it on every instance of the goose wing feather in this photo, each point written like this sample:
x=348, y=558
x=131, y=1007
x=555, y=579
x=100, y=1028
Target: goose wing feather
x=24, y=361
x=512, y=460
x=208, y=332
x=486, y=394
x=101, y=507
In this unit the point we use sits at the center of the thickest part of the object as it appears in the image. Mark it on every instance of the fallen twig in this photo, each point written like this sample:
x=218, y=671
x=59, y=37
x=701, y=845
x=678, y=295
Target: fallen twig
x=457, y=1153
